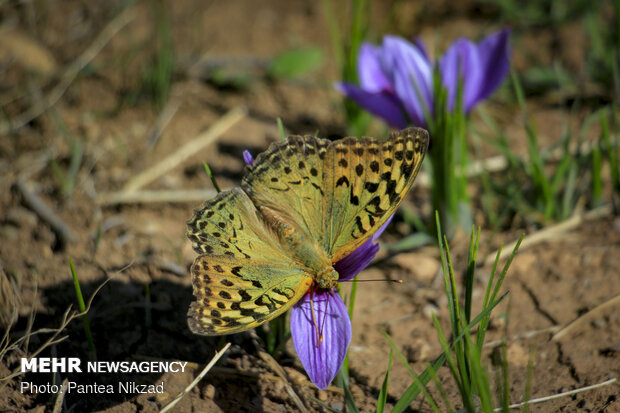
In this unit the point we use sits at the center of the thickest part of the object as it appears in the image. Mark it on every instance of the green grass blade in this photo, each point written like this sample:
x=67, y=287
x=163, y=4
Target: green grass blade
x=611, y=148
x=527, y=394
x=296, y=62
x=343, y=382
x=479, y=376
x=442, y=393
x=383, y=393
x=82, y=307
x=281, y=128
x=471, y=271
x=414, y=389
x=213, y=181
x=456, y=367
x=403, y=360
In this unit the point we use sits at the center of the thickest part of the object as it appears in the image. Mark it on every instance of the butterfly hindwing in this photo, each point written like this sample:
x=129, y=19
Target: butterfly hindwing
x=236, y=294
x=243, y=277
x=365, y=181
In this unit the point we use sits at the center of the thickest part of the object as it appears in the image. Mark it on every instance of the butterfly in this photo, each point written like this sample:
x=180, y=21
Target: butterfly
x=303, y=205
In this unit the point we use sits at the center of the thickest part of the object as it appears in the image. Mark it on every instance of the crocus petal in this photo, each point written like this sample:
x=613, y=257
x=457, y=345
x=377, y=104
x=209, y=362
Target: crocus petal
x=411, y=75
x=382, y=104
x=321, y=359
x=378, y=233
x=351, y=265
x=354, y=263
x=419, y=43
x=248, y=158
x=461, y=59
x=494, y=57
x=371, y=76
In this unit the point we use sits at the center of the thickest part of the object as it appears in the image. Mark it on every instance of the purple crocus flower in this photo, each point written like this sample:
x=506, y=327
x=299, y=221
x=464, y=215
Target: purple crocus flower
x=248, y=158
x=320, y=323
x=396, y=78
x=322, y=339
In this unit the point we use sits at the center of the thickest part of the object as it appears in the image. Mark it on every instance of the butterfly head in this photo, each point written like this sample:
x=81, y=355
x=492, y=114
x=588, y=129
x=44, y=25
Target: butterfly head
x=327, y=279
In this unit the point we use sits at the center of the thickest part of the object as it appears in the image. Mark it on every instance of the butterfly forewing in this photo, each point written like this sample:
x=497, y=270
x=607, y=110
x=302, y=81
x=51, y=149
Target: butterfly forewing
x=288, y=178
x=365, y=181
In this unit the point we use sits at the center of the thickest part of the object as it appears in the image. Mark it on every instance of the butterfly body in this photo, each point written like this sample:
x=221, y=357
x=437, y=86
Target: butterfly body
x=302, y=248
x=305, y=204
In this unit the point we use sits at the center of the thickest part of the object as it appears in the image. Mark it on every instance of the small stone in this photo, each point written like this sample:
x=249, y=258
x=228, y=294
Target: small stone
x=278, y=387
x=429, y=310
x=337, y=406
x=162, y=398
x=517, y=355
x=497, y=323
x=423, y=267
x=208, y=392
x=425, y=351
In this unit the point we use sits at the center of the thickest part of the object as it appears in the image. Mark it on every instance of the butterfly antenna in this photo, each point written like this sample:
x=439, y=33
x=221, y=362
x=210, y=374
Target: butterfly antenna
x=377, y=280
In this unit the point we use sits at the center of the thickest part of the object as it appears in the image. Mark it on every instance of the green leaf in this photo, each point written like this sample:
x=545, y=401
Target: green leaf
x=384, y=388
x=296, y=62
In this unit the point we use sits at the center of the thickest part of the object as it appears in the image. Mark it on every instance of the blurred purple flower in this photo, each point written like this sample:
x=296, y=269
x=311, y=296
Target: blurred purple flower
x=322, y=339
x=248, y=158
x=393, y=77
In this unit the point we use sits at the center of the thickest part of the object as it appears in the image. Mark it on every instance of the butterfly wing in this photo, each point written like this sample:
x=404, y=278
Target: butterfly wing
x=288, y=178
x=242, y=277
x=339, y=192
x=364, y=182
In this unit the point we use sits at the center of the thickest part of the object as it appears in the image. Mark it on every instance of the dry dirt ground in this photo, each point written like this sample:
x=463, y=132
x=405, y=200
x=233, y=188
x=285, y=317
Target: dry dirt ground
x=141, y=313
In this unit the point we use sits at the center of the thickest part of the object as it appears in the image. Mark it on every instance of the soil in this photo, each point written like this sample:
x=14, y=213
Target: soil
x=141, y=250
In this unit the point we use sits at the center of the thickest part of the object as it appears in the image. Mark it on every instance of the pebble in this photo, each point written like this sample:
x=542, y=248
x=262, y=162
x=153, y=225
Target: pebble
x=429, y=310
x=208, y=392
x=337, y=406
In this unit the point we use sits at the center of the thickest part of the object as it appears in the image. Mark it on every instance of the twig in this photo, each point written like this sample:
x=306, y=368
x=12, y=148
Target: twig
x=266, y=357
x=553, y=231
x=228, y=371
x=61, y=396
x=164, y=118
x=586, y=317
x=151, y=196
x=191, y=148
x=32, y=200
x=197, y=380
x=70, y=73
x=557, y=396
x=68, y=316
x=523, y=336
